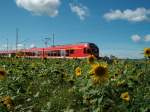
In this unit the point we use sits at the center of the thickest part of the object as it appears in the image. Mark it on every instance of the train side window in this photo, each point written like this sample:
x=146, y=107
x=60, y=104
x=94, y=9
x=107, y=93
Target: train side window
x=39, y=53
x=49, y=53
x=52, y=54
x=84, y=50
x=87, y=51
x=58, y=53
x=55, y=53
x=67, y=53
x=71, y=51
x=33, y=54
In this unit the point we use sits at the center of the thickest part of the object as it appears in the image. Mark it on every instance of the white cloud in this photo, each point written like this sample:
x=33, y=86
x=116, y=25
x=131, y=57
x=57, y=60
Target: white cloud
x=137, y=15
x=20, y=45
x=147, y=38
x=40, y=7
x=79, y=10
x=135, y=38
x=32, y=46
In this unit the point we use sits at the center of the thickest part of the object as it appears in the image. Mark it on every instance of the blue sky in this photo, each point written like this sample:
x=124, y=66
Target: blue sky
x=118, y=27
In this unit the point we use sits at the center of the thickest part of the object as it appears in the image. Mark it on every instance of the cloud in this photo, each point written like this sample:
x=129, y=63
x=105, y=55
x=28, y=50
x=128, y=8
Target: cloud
x=32, y=46
x=135, y=38
x=147, y=38
x=79, y=10
x=137, y=15
x=20, y=45
x=40, y=7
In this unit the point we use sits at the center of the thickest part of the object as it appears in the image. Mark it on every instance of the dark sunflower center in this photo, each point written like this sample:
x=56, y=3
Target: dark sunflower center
x=126, y=96
x=148, y=52
x=2, y=73
x=100, y=71
x=78, y=71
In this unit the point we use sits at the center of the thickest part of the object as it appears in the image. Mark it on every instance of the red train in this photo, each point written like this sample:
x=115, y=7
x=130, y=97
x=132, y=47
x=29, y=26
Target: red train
x=80, y=50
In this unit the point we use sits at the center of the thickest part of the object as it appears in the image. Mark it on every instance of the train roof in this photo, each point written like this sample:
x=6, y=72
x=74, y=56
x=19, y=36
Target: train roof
x=57, y=47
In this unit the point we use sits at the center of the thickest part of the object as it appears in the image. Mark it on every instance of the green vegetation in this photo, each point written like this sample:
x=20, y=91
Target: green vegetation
x=64, y=85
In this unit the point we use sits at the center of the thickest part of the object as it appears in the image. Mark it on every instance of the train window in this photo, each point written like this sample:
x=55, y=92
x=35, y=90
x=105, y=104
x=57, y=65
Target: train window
x=39, y=53
x=87, y=51
x=67, y=53
x=49, y=53
x=53, y=53
x=84, y=50
x=94, y=49
x=28, y=53
x=71, y=51
x=63, y=53
x=58, y=53
x=35, y=53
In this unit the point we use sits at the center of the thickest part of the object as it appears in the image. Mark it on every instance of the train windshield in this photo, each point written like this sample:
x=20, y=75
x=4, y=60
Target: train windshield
x=94, y=49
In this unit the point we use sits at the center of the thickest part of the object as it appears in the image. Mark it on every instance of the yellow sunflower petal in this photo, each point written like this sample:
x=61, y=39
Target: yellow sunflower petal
x=100, y=73
x=147, y=52
x=125, y=96
x=78, y=71
x=91, y=59
x=2, y=74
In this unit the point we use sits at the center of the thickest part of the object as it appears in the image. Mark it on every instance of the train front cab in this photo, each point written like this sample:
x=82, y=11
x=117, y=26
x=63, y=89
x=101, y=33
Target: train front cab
x=91, y=49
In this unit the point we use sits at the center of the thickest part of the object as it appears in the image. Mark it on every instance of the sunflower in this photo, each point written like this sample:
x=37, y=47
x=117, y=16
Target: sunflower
x=99, y=73
x=91, y=59
x=8, y=102
x=147, y=52
x=2, y=74
x=125, y=96
x=78, y=71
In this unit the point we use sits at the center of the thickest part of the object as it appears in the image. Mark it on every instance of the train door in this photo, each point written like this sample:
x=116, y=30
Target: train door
x=63, y=53
x=9, y=55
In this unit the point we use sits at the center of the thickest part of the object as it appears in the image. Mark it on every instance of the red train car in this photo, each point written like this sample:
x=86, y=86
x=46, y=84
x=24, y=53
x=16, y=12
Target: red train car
x=80, y=50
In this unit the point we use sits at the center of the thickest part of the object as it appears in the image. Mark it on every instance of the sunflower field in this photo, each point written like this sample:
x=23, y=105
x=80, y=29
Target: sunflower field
x=74, y=85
